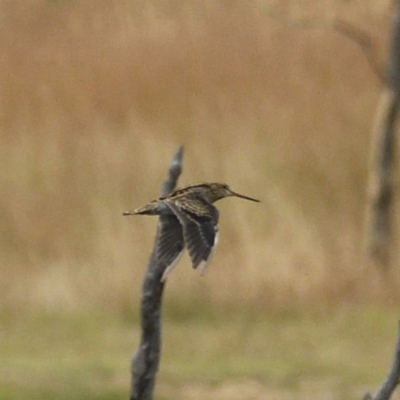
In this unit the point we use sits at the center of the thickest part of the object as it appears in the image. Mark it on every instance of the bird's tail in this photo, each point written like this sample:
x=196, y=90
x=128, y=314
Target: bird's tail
x=149, y=209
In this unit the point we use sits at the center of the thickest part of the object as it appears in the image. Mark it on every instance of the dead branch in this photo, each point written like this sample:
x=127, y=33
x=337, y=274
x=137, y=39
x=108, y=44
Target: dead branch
x=392, y=378
x=145, y=362
x=380, y=186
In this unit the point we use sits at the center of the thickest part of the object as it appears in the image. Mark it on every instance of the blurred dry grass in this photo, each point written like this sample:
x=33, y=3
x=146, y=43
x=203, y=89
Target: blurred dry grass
x=96, y=96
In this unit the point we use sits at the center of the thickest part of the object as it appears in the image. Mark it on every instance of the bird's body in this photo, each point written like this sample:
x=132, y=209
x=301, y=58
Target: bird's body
x=187, y=219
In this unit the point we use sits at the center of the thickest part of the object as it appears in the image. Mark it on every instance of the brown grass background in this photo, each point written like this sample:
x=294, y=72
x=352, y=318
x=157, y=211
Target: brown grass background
x=95, y=96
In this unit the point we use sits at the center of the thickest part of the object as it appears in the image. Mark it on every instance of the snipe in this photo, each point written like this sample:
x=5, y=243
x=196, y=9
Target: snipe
x=188, y=219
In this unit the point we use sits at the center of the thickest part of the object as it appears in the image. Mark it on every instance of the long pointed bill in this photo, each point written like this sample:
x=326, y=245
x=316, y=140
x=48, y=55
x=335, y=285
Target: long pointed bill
x=244, y=197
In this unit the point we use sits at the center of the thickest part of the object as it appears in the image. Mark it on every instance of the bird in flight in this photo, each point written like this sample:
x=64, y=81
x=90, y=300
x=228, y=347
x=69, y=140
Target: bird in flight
x=188, y=219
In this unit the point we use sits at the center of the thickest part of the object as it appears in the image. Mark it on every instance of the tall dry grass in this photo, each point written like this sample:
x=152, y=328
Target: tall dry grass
x=95, y=96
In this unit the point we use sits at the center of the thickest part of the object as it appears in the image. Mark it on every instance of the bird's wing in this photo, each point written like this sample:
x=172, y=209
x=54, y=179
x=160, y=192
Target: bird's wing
x=170, y=243
x=199, y=220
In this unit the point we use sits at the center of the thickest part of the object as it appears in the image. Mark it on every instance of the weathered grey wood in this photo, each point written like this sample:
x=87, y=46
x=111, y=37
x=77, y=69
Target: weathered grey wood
x=380, y=193
x=393, y=72
x=392, y=378
x=145, y=362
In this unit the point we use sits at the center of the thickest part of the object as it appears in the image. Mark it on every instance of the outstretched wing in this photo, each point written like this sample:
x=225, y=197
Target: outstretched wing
x=170, y=243
x=199, y=220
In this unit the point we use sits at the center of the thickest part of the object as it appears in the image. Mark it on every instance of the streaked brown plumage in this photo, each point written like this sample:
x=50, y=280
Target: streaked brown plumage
x=188, y=219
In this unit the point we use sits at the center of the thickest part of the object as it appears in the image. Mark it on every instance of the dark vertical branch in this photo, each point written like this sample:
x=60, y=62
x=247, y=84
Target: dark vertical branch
x=383, y=155
x=392, y=378
x=146, y=359
x=393, y=73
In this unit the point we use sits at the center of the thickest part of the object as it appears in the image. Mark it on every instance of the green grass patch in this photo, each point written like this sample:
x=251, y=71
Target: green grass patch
x=64, y=356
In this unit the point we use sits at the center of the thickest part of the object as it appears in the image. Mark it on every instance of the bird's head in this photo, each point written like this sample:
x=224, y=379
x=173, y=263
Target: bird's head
x=220, y=190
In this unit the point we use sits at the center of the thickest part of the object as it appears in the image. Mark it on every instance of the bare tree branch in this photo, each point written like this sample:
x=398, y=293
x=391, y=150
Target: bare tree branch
x=392, y=378
x=393, y=71
x=380, y=186
x=146, y=359
x=383, y=155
